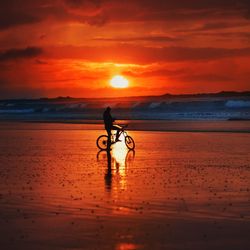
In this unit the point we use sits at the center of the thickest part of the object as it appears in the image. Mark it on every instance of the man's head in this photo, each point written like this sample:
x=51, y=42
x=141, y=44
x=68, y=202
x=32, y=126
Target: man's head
x=108, y=109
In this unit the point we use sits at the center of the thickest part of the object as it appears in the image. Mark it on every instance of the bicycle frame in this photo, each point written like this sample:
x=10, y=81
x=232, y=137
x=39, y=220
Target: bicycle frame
x=102, y=140
x=113, y=135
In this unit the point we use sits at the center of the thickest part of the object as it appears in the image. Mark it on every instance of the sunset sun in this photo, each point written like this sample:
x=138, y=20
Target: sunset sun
x=119, y=81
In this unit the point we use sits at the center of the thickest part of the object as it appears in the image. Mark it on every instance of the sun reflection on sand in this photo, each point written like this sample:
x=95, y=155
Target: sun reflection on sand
x=116, y=163
x=119, y=154
x=127, y=246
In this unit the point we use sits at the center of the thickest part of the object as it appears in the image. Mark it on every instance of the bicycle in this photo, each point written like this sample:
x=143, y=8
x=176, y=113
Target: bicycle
x=102, y=140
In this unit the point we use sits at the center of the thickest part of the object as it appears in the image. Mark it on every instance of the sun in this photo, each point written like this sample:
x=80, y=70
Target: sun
x=119, y=81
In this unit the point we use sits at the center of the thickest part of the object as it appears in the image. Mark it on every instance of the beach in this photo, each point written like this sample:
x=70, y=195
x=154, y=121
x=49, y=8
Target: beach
x=176, y=190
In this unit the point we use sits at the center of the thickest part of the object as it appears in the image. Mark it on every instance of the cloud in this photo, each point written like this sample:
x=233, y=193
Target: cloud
x=100, y=12
x=148, y=10
x=10, y=19
x=84, y=3
x=138, y=38
x=15, y=13
x=220, y=25
x=143, y=55
x=98, y=20
x=201, y=78
x=225, y=5
x=41, y=62
x=162, y=72
x=25, y=53
x=162, y=5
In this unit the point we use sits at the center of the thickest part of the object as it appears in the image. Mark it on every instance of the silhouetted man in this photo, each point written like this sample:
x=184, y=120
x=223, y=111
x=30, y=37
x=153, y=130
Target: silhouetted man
x=108, y=121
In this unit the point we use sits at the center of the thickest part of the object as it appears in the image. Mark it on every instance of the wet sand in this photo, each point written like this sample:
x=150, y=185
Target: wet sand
x=175, y=191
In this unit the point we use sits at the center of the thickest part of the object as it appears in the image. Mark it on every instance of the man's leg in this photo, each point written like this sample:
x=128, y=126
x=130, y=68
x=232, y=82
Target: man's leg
x=109, y=138
x=117, y=135
x=118, y=129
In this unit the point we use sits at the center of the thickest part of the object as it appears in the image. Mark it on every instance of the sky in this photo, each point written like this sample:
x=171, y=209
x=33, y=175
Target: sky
x=51, y=48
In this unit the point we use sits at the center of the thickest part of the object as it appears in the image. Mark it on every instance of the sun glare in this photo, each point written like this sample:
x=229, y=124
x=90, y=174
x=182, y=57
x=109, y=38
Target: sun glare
x=119, y=81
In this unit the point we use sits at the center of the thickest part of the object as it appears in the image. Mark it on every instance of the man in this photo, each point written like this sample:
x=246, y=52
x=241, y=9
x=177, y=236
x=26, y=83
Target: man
x=108, y=121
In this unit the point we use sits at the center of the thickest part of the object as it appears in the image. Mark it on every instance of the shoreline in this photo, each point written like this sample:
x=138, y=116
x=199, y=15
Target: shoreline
x=140, y=125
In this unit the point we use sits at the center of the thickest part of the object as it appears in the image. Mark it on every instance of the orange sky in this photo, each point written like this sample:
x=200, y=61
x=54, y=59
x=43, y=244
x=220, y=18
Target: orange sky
x=74, y=47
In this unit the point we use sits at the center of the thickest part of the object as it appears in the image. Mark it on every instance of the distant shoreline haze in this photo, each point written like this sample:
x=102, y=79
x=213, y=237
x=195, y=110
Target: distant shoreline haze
x=167, y=95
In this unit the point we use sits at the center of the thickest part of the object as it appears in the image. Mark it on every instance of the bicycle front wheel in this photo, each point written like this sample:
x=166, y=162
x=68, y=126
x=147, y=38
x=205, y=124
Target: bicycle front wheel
x=129, y=142
x=102, y=142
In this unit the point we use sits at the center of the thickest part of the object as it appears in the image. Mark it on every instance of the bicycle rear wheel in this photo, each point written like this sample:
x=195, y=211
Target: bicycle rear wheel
x=129, y=142
x=102, y=142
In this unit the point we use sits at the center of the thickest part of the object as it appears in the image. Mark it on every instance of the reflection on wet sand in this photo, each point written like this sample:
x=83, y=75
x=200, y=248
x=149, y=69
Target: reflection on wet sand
x=117, y=162
x=182, y=191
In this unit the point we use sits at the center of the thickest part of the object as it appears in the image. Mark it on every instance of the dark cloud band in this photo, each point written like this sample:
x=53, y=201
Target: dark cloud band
x=13, y=54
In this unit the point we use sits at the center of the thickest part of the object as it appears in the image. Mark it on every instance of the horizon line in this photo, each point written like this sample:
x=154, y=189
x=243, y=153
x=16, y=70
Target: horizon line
x=247, y=92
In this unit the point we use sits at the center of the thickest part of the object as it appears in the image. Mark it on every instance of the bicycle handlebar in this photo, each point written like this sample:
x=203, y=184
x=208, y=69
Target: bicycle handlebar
x=123, y=125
